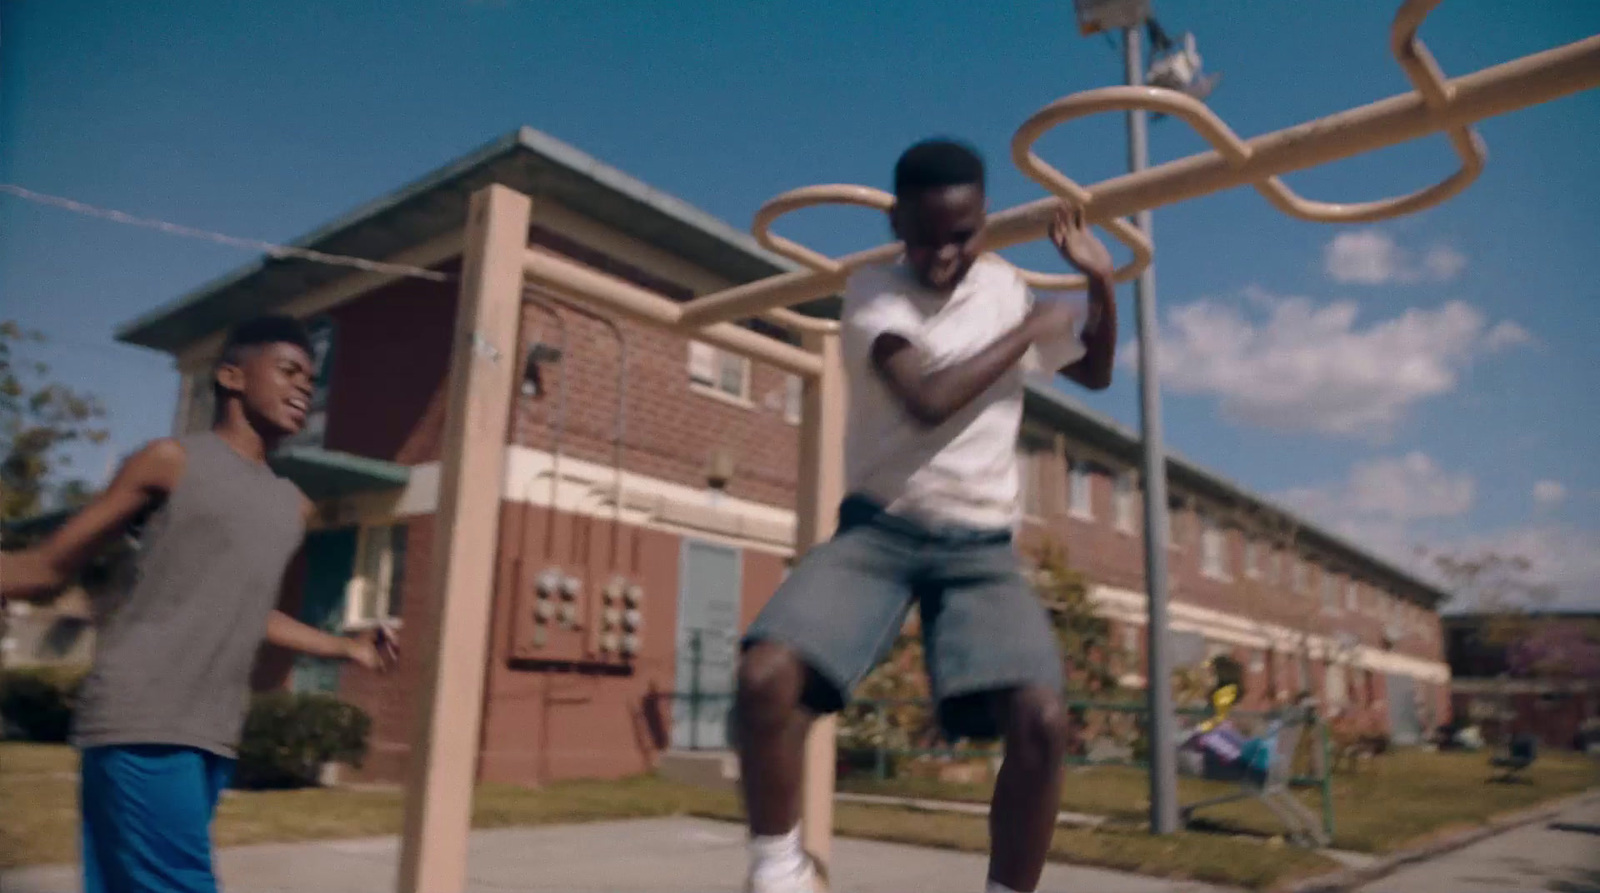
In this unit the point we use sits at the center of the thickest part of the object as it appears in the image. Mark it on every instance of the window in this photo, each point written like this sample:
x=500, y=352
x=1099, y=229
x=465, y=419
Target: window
x=1335, y=687
x=1273, y=566
x=1352, y=596
x=1330, y=591
x=719, y=372
x=1123, y=502
x=1213, y=550
x=1082, y=498
x=1300, y=575
x=1252, y=559
x=794, y=389
x=1036, y=501
x=376, y=591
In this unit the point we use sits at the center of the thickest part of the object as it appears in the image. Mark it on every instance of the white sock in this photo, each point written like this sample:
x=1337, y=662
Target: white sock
x=997, y=887
x=777, y=856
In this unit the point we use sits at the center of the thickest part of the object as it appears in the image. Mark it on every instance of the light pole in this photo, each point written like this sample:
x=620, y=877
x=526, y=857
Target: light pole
x=1158, y=666
x=1175, y=67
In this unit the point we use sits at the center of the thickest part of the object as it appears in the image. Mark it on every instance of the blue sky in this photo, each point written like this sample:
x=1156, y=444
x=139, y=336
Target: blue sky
x=1421, y=380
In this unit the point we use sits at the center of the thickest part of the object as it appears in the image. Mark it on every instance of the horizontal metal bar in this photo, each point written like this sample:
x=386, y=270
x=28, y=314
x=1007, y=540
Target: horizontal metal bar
x=1520, y=83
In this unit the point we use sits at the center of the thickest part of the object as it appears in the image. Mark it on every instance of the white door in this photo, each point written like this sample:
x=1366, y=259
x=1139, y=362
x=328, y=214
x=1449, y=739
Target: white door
x=707, y=645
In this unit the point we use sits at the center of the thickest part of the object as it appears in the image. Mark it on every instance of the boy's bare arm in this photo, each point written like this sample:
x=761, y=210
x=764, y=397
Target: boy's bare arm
x=145, y=478
x=932, y=397
x=1093, y=369
x=375, y=649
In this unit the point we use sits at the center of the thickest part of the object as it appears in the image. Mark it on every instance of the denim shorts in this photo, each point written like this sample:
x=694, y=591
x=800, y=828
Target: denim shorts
x=844, y=604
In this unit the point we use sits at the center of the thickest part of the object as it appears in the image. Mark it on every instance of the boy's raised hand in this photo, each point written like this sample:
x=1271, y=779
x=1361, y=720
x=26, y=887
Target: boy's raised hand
x=375, y=649
x=1077, y=244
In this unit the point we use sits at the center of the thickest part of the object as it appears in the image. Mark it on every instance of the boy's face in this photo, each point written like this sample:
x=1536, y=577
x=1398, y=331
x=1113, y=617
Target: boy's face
x=273, y=382
x=940, y=228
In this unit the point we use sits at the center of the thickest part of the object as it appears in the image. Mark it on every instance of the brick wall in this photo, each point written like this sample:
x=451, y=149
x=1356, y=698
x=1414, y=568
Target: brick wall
x=671, y=428
x=391, y=360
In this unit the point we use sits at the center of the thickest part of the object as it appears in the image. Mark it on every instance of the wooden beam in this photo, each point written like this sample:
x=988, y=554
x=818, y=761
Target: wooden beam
x=820, y=489
x=483, y=368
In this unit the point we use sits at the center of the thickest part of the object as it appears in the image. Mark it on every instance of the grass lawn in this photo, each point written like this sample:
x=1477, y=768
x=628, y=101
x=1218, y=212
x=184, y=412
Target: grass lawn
x=1403, y=796
x=1396, y=800
x=42, y=781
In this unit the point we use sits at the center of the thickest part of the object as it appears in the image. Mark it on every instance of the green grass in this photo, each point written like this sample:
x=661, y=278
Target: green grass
x=1395, y=801
x=1404, y=796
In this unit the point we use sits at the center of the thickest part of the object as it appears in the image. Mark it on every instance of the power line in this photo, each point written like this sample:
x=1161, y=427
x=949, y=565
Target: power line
x=269, y=248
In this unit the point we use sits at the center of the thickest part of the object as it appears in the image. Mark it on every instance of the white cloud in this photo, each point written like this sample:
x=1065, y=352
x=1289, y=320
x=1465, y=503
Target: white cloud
x=1565, y=558
x=1386, y=504
x=1371, y=257
x=1310, y=367
x=1402, y=488
x=1549, y=493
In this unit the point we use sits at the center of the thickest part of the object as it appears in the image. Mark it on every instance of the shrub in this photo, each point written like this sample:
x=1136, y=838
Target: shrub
x=36, y=703
x=288, y=737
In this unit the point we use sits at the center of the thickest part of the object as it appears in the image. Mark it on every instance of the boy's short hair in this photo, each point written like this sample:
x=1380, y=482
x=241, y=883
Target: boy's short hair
x=261, y=331
x=936, y=163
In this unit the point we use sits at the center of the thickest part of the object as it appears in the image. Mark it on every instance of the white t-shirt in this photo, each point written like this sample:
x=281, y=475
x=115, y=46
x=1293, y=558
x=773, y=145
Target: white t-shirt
x=964, y=471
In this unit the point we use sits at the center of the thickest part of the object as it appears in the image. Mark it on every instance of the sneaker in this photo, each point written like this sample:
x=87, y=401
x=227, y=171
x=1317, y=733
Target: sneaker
x=805, y=882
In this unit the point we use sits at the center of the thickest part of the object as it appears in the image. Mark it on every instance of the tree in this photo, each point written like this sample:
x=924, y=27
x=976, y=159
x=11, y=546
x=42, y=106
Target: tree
x=39, y=419
x=1506, y=590
x=1091, y=663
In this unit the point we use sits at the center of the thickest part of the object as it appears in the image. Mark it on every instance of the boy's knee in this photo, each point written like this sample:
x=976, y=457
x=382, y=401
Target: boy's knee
x=771, y=680
x=1038, y=724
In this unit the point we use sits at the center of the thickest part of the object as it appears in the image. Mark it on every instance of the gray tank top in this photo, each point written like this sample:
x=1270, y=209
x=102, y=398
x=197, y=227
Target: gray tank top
x=176, y=642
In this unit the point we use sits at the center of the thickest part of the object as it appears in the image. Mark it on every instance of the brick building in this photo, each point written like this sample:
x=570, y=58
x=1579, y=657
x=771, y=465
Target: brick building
x=648, y=499
x=1533, y=673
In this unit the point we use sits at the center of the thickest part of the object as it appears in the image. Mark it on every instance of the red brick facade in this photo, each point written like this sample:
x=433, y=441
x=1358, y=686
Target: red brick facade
x=544, y=722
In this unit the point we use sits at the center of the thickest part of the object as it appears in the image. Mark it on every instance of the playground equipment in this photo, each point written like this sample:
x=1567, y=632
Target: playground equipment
x=498, y=263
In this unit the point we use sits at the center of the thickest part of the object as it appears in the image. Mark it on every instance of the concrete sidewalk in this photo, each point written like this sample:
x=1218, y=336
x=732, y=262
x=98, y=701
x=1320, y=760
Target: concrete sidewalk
x=1560, y=855
x=675, y=855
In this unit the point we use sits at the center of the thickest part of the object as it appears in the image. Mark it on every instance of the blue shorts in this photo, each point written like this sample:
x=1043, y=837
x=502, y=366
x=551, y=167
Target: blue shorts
x=983, y=628
x=147, y=812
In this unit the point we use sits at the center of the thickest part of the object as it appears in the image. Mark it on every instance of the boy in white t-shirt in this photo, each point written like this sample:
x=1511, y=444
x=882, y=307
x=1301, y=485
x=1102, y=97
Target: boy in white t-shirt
x=935, y=346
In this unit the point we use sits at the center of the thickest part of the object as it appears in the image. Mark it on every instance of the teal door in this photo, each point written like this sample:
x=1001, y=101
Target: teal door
x=330, y=563
x=707, y=646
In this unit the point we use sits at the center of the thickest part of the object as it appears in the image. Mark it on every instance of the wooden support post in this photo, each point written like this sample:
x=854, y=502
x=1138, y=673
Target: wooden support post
x=483, y=368
x=821, y=487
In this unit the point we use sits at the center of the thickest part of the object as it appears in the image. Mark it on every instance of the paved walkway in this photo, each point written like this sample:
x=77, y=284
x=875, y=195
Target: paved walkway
x=676, y=855
x=1557, y=856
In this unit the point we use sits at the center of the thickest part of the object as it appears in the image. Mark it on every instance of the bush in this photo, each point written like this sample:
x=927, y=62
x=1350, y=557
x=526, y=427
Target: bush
x=36, y=703
x=288, y=737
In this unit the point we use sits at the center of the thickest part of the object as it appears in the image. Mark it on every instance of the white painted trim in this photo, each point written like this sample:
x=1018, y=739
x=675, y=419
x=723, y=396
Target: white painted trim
x=586, y=488
x=1128, y=606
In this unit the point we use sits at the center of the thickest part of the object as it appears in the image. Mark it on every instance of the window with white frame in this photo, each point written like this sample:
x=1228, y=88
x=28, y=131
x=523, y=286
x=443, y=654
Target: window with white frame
x=1252, y=559
x=794, y=389
x=1079, y=493
x=1336, y=686
x=1300, y=575
x=1272, y=566
x=1213, y=550
x=375, y=592
x=1330, y=591
x=1036, y=491
x=1124, y=499
x=719, y=371
x=1352, y=596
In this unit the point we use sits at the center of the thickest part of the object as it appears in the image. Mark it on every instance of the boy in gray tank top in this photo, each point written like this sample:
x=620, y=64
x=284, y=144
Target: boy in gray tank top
x=160, y=713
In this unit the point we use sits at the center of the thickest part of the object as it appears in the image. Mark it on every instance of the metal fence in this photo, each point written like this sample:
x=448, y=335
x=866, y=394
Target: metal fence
x=875, y=734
